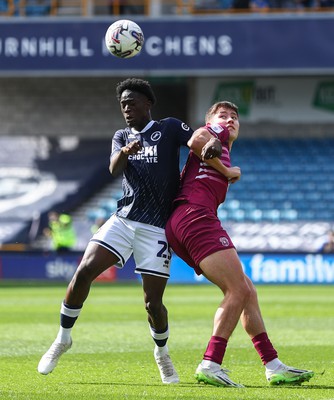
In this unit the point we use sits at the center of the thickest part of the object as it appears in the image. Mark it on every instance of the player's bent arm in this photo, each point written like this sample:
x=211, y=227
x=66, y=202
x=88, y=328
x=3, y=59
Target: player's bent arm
x=119, y=159
x=200, y=138
x=118, y=163
x=233, y=174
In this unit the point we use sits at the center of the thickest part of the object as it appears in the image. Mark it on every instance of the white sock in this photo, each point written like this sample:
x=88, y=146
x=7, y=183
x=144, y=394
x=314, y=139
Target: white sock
x=64, y=335
x=160, y=351
x=274, y=364
x=210, y=365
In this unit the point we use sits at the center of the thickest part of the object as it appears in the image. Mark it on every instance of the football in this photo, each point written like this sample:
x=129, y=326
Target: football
x=124, y=39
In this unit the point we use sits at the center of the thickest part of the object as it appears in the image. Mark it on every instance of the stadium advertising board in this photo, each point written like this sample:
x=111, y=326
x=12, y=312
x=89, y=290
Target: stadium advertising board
x=51, y=266
x=258, y=44
x=264, y=268
x=279, y=99
x=260, y=267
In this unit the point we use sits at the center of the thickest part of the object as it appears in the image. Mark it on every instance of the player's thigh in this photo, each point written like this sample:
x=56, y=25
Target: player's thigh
x=151, y=251
x=117, y=236
x=96, y=260
x=224, y=269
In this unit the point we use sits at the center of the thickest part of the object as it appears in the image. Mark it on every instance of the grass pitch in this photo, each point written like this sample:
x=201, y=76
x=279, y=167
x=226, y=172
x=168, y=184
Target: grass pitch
x=112, y=353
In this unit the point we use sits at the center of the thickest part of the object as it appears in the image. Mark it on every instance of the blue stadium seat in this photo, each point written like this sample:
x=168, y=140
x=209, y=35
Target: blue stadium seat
x=277, y=175
x=109, y=206
x=289, y=215
x=236, y=215
x=97, y=213
x=3, y=6
x=36, y=8
x=253, y=215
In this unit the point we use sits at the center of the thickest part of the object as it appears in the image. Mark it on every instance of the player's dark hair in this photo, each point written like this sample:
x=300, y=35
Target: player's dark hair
x=226, y=104
x=135, y=85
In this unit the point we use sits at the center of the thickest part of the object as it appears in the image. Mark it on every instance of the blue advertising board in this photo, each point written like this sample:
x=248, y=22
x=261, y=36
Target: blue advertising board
x=51, y=266
x=183, y=46
x=262, y=268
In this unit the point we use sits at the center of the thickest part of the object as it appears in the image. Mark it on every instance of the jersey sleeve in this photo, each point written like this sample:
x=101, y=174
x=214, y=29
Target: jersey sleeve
x=219, y=130
x=117, y=143
x=182, y=130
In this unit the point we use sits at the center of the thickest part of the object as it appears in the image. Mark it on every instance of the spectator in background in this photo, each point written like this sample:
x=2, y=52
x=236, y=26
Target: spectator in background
x=328, y=246
x=61, y=231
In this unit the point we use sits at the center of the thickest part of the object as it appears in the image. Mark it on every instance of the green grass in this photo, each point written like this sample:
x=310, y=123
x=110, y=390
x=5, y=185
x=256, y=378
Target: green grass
x=112, y=354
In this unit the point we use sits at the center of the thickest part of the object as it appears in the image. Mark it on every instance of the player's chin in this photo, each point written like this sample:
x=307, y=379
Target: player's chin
x=130, y=121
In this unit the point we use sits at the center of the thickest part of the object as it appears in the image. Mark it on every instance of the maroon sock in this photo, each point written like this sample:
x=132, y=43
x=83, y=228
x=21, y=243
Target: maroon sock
x=216, y=349
x=264, y=347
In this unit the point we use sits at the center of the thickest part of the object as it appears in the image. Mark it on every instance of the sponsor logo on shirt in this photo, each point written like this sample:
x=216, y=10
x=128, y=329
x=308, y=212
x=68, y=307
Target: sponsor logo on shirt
x=147, y=153
x=217, y=128
x=185, y=127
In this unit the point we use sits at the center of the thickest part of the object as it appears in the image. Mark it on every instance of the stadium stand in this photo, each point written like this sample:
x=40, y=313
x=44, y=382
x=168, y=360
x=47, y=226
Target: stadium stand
x=35, y=8
x=285, y=179
x=39, y=174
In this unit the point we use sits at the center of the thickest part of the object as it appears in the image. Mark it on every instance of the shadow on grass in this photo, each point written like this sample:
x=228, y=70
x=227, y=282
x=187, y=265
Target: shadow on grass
x=145, y=385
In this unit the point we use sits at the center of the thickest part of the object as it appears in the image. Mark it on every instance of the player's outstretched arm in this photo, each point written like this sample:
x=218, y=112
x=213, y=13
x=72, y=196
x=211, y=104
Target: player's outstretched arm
x=205, y=146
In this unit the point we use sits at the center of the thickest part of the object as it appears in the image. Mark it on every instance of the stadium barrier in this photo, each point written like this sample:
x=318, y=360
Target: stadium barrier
x=262, y=268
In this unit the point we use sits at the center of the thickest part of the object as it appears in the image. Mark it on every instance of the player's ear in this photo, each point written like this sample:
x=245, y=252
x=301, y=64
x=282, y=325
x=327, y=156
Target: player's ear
x=149, y=104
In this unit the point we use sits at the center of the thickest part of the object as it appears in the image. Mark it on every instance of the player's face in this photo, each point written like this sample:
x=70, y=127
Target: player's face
x=229, y=118
x=135, y=108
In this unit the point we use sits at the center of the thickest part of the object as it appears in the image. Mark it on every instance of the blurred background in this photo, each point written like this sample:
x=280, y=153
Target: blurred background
x=58, y=112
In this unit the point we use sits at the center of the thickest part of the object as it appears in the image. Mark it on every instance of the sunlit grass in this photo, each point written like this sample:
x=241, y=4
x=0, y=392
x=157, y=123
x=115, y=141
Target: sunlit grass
x=112, y=354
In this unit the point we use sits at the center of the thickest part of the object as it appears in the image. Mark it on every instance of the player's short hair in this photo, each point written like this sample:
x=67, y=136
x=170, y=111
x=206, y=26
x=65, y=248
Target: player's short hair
x=136, y=85
x=226, y=104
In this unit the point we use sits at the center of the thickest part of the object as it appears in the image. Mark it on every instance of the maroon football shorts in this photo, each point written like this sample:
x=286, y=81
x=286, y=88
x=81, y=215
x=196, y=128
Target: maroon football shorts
x=194, y=232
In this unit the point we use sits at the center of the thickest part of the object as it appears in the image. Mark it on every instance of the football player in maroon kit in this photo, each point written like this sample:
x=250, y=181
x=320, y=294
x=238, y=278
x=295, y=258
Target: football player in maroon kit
x=196, y=235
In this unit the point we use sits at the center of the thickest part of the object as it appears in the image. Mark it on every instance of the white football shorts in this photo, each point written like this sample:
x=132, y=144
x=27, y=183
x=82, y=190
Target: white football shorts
x=147, y=243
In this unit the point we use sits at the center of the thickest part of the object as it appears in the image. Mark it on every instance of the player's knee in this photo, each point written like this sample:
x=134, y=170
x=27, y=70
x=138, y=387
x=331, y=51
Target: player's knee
x=252, y=294
x=242, y=292
x=247, y=291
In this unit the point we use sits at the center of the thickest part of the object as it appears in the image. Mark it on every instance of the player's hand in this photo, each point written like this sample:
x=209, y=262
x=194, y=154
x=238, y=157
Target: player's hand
x=213, y=148
x=233, y=174
x=132, y=148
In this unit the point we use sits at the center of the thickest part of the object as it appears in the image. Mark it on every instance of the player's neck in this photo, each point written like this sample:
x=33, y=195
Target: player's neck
x=142, y=127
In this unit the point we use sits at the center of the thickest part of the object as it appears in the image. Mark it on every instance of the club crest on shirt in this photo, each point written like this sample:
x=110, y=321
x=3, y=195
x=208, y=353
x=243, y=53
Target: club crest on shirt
x=155, y=136
x=224, y=241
